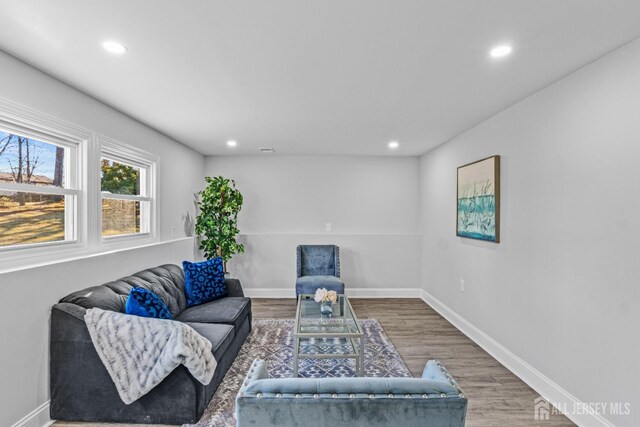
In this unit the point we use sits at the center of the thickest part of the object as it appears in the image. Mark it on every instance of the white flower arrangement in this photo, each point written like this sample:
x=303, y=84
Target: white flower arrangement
x=323, y=295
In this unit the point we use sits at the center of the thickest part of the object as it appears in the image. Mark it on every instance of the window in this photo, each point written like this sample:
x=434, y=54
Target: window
x=126, y=184
x=38, y=189
x=66, y=191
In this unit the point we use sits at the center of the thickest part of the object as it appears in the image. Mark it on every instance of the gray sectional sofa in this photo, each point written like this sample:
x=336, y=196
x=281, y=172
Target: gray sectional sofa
x=81, y=388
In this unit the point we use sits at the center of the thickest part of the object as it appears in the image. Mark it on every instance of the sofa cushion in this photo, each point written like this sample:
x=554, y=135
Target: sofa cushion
x=144, y=303
x=219, y=335
x=204, y=281
x=166, y=281
x=230, y=311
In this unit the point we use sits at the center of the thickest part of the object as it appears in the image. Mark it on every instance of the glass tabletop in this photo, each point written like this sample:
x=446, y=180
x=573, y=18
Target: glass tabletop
x=311, y=322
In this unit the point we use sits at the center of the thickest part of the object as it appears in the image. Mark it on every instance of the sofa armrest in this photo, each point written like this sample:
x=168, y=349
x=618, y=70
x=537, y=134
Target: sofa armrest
x=257, y=371
x=71, y=309
x=436, y=371
x=234, y=288
x=82, y=389
x=67, y=325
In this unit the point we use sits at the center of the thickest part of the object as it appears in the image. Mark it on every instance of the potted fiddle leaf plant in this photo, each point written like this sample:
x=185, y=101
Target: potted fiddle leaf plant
x=217, y=222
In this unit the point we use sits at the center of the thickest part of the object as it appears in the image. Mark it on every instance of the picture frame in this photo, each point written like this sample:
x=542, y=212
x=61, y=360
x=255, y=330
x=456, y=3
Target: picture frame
x=478, y=200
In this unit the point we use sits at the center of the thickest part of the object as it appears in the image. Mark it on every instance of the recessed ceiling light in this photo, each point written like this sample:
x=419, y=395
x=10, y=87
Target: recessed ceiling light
x=500, y=51
x=231, y=143
x=114, y=47
x=393, y=144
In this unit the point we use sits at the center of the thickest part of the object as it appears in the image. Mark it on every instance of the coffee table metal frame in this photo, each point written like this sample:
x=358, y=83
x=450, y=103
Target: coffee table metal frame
x=356, y=339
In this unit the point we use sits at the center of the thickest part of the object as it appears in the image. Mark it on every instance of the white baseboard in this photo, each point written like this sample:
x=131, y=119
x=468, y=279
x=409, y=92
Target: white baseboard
x=39, y=417
x=383, y=293
x=543, y=385
x=270, y=292
x=352, y=293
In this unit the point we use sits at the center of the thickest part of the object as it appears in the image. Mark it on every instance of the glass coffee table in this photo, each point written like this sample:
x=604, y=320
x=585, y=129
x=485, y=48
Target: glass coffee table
x=311, y=327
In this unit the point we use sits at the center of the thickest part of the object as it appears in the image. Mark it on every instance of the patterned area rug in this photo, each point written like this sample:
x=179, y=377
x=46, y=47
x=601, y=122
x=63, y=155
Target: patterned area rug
x=272, y=340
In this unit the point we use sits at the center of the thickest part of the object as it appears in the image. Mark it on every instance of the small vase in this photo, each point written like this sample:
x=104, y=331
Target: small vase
x=326, y=307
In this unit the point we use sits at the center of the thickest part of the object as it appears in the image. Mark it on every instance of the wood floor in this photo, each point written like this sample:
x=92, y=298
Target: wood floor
x=497, y=398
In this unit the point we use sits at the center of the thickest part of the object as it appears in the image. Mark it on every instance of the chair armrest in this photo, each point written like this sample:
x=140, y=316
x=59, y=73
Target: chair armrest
x=298, y=261
x=234, y=288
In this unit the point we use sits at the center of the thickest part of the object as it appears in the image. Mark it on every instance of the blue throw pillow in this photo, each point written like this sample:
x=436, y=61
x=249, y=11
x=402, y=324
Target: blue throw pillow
x=144, y=303
x=204, y=281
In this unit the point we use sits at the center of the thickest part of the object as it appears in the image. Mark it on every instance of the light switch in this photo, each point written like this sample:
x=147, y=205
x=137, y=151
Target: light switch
x=327, y=226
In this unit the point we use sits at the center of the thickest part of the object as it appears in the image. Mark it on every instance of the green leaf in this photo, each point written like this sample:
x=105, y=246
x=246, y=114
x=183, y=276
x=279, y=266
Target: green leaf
x=220, y=202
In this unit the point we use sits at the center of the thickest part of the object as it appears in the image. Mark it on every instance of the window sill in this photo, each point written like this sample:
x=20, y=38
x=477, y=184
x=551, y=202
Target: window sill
x=14, y=252
x=119, y=238
x=78, y=254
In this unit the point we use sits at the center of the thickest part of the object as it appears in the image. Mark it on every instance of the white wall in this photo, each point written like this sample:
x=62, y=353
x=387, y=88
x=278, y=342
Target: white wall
x=29, y=294
x=561, y=289
x=371, y=202
x=180, y=169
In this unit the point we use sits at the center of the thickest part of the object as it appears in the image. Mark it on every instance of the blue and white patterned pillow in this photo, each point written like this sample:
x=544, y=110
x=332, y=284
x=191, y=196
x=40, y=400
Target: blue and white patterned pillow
x=144, y=303
x=204, y=281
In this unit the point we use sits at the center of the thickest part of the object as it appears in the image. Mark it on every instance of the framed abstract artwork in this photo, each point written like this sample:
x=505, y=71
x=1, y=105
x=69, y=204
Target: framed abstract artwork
x=478, y=200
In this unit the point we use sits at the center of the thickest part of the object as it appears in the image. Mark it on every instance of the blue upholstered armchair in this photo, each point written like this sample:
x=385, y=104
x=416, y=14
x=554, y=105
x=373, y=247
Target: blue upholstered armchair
x=435, y=400
x=318, y=267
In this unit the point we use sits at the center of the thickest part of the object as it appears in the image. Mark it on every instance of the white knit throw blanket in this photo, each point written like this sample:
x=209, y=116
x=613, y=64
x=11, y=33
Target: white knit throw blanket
x=140, y=352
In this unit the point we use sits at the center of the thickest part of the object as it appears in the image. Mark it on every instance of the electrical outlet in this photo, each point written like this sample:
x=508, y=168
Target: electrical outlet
x=461, y=285
x=327, y=226
x=173, y=231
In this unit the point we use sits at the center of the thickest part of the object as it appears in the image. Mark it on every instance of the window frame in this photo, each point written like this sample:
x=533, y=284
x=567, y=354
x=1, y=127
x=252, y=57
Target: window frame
x=89, y=146
x=120, y=152
x=34, y=125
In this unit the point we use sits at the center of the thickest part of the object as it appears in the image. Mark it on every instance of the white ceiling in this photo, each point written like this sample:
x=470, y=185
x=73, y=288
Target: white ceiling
x=322, y=77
